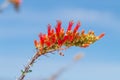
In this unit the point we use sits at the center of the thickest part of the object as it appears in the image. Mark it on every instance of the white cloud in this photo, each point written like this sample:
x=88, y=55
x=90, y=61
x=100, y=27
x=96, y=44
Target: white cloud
x=105, y=19
x=65, y=14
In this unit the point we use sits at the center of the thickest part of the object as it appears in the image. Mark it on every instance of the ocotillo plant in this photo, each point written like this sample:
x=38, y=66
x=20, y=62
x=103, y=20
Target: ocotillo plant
x=58, y=39
x=15, y=3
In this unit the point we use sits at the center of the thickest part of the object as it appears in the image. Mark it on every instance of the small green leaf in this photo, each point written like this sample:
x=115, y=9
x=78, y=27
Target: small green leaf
x=29, y=71
x=22, y=71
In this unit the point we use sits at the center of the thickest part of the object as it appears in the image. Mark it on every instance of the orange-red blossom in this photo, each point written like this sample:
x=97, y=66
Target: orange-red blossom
x=16, y=3
x=58, y=37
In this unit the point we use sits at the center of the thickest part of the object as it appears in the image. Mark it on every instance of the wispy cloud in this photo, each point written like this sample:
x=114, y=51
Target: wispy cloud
x=105, y=19
x=100, y=18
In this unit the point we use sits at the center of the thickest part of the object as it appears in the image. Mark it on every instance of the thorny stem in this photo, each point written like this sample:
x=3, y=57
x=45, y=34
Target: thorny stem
x=33, y=59
x=27, y=67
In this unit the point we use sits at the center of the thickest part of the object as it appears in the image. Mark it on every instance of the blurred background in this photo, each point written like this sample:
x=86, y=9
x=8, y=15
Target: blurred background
x=19, y=29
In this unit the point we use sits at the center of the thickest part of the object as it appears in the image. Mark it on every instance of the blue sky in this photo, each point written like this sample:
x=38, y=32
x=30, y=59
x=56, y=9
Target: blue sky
x=18, y=31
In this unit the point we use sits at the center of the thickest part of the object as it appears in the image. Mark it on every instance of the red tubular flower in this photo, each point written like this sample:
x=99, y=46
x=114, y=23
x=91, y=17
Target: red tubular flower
x=101, y=35
x=77, y=27
x=70, y=25
x=65, y=38
x=42, y=40
x=61, y=33
x=49, y=29
x=58, y=28
x=83, y=31
x=85, y=45
x=53, y=39
x=59, y=25
x=52, y=31
x=36, y=43
x=48, y=43
x=60, y=42
x=71, y=37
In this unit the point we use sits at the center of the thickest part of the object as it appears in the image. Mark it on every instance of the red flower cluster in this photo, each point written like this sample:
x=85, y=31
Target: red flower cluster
x=58, y=37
